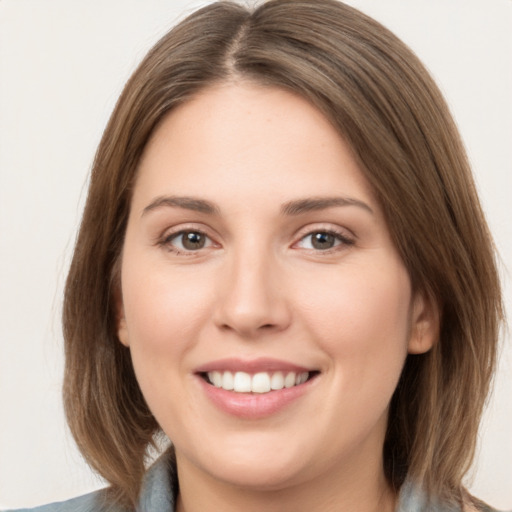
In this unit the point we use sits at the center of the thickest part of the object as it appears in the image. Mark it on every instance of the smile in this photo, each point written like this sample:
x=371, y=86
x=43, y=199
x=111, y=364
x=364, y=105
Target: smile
x=261, y=382
x=255, y=389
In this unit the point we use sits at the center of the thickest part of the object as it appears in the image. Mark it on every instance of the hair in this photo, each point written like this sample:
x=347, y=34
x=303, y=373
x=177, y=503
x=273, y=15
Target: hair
x=383, y=102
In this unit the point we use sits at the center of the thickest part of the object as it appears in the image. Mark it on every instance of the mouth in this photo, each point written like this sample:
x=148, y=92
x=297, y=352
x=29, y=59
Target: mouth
x=259, y=383
x=255, y=389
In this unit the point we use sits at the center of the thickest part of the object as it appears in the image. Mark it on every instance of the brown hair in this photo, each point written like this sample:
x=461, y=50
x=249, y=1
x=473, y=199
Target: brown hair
x=384, y=103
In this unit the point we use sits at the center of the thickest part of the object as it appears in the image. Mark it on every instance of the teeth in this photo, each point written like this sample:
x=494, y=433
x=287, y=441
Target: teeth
x=262, y=382
x=242, y=383
x=289, y=380
x=216, y=378
x=301, y=378
x=277, y=381
x=227, y=381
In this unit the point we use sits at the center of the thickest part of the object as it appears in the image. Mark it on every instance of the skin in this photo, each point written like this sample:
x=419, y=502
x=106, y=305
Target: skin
x=260, y=288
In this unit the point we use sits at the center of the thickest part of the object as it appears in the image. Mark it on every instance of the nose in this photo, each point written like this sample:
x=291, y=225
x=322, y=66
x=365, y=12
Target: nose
x=252, y=299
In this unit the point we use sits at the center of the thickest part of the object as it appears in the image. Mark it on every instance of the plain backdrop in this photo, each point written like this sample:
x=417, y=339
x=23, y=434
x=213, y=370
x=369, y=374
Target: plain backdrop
x=62, y=66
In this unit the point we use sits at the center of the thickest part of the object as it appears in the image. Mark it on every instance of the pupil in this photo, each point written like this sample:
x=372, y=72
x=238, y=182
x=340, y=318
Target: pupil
x=323, y=240
x=193, y=240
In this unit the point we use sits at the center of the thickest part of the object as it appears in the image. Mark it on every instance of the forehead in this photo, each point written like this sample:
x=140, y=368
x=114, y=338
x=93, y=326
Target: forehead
x=255, y=138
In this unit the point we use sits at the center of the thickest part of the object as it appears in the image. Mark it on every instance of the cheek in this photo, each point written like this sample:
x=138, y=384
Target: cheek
x=161, y=306
x=165, y=311
x=362, y=319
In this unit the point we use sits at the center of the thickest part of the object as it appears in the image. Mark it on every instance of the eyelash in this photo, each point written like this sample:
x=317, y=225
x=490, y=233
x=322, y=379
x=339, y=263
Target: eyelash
x=168, y=238
x=342, y=238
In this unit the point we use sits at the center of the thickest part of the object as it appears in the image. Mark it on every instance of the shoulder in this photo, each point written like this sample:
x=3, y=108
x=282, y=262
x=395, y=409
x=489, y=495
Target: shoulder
x=480, y=507
x=92, y=502
x=157, y=494
x=413, y=499
x=472, y=504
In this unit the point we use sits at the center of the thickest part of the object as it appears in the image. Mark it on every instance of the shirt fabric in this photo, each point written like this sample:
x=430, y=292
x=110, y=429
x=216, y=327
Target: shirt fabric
x=160, y=484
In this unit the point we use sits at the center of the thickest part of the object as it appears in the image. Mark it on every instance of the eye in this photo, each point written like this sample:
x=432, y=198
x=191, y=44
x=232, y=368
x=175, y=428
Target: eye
x=187, y=241
x=323, y=240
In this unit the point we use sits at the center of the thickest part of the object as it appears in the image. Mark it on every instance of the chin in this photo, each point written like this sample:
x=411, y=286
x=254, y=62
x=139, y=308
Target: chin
x=267, y=476
x=255, y=465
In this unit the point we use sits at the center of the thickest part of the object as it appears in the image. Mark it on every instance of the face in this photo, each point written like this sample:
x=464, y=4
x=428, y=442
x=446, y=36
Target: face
x=266, y=309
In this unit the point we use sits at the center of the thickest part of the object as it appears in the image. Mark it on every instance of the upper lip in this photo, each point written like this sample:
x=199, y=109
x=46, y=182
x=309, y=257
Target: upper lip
x=263, y=364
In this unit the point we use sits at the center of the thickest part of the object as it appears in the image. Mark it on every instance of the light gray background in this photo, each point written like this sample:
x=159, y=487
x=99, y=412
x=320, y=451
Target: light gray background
x=62, y=65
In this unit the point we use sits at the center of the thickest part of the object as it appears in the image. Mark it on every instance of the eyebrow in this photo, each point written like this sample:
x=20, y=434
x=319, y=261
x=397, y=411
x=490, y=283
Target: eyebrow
x=188, y=203
x=291, y=208
x=300, y=206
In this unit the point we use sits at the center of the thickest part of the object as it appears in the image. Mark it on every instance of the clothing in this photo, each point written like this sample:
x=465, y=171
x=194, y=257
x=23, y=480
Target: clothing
x=156, y=496
x=160, y=486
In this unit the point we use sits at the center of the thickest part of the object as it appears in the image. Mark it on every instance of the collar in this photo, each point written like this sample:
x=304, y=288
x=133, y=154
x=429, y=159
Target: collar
x=160, y=487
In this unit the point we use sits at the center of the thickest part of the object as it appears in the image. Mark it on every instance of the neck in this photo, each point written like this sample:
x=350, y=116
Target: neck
x=364, y=490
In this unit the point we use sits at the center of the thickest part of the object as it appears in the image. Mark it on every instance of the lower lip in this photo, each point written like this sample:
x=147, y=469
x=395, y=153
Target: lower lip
x=253, y=406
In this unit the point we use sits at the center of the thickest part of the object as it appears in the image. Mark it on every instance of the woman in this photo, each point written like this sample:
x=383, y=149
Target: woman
x=287, y=272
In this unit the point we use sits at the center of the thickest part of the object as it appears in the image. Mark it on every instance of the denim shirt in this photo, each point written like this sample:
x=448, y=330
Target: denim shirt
x=157, y=495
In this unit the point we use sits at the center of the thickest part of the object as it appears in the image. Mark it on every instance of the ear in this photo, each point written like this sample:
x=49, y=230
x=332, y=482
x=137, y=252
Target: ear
x=122, y=329
x=425, y=324
x=121, y=326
